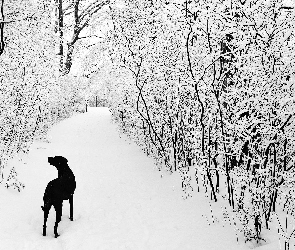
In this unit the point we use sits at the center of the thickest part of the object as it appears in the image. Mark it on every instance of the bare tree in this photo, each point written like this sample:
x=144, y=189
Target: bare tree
x=82, y=19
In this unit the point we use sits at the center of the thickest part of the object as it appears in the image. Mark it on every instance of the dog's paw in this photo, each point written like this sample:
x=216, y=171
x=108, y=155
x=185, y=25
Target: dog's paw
x=42, y=208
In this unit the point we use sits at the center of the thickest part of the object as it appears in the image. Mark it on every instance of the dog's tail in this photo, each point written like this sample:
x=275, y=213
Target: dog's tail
x=42, y=208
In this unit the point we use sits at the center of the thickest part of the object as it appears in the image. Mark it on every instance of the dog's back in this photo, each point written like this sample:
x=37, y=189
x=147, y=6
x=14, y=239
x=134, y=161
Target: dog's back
x=67, y=179
x=65, y=175
x=62, y=187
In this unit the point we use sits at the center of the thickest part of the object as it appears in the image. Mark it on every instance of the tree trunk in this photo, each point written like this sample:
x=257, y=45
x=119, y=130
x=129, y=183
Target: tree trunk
x=2, y=29
x=69, y=59
x=60, y=33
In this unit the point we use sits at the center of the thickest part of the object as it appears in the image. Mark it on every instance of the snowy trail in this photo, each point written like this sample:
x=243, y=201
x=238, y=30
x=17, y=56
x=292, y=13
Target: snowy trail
x=120, y=202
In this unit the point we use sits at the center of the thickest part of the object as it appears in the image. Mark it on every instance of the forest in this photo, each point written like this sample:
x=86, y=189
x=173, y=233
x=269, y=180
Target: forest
x=204, y=87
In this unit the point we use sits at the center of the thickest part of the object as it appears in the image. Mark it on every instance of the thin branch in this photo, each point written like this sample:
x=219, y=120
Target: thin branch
x=91, y=45
x=82, y=37
x=12, y=21
x=2, y=29
x=68, y=7
x=68, y=13
x=92, y=9
x=196, y=90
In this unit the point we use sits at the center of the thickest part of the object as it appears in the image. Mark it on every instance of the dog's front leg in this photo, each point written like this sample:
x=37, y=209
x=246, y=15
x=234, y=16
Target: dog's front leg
x=71, y=207
x=58, y=210
x=46, y=212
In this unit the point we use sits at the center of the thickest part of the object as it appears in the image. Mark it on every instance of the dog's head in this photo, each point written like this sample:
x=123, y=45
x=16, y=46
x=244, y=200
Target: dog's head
x=57, y=161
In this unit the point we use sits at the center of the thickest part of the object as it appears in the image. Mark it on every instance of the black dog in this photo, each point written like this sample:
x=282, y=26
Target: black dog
x=57, y=190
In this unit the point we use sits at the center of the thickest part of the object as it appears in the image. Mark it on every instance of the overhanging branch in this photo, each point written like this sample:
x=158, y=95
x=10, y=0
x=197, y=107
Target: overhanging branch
x=92, y=9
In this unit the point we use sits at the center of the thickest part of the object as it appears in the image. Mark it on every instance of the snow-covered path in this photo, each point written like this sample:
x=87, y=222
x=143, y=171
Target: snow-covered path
x=121, y=201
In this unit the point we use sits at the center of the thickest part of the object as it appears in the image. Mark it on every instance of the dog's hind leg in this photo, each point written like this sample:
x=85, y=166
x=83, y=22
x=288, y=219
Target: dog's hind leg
x=58, y=210
x=46, y=212
x=71, y=207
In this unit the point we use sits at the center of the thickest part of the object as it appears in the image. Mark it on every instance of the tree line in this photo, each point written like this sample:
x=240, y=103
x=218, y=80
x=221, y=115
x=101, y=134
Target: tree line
x=206, y=89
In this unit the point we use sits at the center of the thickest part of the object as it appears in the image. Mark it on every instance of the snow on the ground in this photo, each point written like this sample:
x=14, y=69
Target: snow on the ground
x=121, y=200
